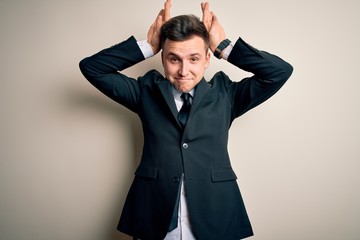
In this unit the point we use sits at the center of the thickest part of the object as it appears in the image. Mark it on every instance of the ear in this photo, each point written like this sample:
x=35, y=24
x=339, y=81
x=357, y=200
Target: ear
x=207, y=58
x=162, y=58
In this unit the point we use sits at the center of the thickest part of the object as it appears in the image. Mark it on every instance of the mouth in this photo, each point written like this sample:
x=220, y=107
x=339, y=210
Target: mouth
x=183, y=79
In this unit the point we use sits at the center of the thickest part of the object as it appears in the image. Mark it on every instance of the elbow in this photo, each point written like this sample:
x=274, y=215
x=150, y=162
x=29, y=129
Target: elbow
x=83, y=65
x=88, y=69
x=284, y=72
x=287, y=71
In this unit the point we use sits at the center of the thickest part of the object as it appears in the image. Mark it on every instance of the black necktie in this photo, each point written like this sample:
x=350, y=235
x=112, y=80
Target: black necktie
x=185, y=109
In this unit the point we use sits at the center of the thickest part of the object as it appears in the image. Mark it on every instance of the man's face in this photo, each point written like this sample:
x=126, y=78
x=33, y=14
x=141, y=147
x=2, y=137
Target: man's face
x=185, y=62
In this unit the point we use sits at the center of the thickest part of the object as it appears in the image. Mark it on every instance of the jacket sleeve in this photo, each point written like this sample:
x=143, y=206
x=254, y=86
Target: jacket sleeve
x=270, y=74
x=102, y=71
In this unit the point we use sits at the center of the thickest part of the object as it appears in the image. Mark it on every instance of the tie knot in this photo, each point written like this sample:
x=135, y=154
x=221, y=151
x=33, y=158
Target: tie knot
x=185, y=96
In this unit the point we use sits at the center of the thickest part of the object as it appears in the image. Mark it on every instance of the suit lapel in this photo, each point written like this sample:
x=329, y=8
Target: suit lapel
x=165, y=89
x=200, y=92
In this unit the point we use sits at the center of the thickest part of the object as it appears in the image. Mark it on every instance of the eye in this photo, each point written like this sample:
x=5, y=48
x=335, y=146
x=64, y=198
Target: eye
x=194, y=59
x=174, y=59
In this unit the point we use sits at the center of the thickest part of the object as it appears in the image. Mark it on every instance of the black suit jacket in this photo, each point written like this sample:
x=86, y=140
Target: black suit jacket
x=199, y=151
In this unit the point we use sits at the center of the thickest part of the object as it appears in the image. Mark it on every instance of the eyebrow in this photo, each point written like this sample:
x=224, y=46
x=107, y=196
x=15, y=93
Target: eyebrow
x=191, y=55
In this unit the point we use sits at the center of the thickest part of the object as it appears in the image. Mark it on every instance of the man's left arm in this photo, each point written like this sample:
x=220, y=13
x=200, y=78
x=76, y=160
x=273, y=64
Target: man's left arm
x=270, y=72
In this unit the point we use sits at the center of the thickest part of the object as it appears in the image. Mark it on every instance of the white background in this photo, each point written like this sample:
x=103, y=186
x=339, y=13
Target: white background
x=68, y=153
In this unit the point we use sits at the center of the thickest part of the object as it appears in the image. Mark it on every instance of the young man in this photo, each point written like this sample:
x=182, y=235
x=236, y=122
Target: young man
x=184, y=186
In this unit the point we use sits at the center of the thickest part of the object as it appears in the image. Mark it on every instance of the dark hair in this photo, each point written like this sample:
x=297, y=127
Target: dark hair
x=184, y=27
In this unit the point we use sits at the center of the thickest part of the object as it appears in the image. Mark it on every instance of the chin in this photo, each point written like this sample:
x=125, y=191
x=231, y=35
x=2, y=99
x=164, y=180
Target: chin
x=183, y=89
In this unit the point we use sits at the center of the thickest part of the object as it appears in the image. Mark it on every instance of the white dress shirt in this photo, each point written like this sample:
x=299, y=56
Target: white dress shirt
x=183, y=230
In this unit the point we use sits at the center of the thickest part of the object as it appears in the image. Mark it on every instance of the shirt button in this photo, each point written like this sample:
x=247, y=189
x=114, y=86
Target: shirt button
x=175, y=179
x=185, y=145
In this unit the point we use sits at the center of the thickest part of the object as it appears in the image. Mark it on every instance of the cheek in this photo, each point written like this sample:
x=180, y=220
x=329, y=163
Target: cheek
x=169, y=69
x=200, y=70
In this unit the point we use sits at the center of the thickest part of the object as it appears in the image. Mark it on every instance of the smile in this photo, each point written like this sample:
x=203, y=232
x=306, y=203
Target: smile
x=182, y=79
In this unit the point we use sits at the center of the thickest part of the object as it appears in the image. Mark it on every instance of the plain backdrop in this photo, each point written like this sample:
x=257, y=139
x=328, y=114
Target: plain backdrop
x=68, y=153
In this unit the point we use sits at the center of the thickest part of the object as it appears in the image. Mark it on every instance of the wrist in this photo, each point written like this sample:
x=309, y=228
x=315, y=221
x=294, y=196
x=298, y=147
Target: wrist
x=146, y=49
x=218, y=52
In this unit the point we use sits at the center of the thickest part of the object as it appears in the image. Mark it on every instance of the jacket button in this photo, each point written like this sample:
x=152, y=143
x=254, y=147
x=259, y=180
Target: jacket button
x=185, y=145
x=175, y=179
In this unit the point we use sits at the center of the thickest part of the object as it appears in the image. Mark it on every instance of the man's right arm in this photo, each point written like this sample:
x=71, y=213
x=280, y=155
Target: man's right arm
x=102, y=71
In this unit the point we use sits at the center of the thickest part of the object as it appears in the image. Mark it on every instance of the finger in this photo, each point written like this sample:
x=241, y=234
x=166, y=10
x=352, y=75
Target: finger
x=215, y=20
x=207, y=17
x=213, y=16
x=159, y=20
x=161, y=13
x=206, y=12
x=156, y=19
x=167, y=6
x=202, y=6
x=155, y=24
x=205, y=8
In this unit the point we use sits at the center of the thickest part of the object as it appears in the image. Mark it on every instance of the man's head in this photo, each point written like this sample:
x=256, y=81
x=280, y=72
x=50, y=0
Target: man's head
x=183, y=28
x=185, y=56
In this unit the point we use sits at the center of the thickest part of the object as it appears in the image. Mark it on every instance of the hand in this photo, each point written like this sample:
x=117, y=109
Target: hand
x=216, y=31
x=153, y=36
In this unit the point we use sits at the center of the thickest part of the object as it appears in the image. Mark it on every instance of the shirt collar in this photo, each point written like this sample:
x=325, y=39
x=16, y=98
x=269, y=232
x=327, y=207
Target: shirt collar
x=177, y=94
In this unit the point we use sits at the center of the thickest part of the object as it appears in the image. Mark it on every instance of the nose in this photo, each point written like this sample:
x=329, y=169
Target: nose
x=184, y=69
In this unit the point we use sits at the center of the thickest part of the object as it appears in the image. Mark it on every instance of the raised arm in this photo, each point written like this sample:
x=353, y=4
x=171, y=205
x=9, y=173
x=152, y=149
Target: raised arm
x=270, y=71
x=102, y=69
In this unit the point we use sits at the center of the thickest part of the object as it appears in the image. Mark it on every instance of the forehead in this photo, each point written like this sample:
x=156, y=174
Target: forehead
x=194, y=45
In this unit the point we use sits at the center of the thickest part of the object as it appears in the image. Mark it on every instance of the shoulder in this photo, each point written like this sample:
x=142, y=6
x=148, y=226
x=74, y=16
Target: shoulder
x=220, y=79
x=151, y=77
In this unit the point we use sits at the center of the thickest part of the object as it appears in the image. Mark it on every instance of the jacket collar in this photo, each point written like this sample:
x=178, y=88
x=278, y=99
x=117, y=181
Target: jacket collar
x=200, y=90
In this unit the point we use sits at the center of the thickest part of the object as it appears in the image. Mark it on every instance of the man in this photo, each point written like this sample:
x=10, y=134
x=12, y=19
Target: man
x=184, y=186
